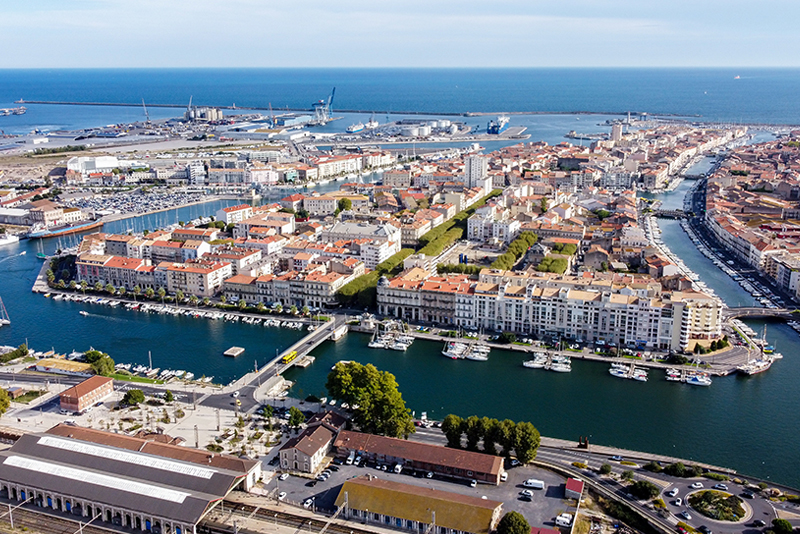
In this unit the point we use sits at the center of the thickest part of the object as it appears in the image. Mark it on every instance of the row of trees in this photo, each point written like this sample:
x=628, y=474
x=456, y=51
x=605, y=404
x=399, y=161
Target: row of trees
x=550, y=264
x=516, y=249
x=378, y=407
x=461, y=268
x=363, y=290
x=522, y=438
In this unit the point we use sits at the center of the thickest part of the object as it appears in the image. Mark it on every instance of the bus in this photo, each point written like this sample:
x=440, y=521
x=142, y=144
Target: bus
x=289, y=357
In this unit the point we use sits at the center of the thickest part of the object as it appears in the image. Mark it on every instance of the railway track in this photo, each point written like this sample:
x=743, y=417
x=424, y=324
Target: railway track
x=43, y=523
x=271, y=516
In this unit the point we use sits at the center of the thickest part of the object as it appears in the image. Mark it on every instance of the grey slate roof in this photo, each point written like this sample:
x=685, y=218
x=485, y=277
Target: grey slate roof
x=200, y=492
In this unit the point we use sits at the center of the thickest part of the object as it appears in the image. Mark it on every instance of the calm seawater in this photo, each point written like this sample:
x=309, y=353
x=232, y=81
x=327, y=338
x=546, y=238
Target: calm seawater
x=757, y=96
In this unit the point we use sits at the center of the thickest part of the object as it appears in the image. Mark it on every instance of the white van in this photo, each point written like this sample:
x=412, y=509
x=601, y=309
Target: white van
x=533, y=483
x=564, y=520
x=350, y=458
x=398, y=468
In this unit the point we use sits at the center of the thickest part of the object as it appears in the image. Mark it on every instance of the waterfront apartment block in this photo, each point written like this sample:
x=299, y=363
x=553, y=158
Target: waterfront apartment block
x=314, y=287
x=628, y=312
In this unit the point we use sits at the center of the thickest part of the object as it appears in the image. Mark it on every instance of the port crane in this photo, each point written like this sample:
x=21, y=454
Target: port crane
x=322, y=109
x=146, y=114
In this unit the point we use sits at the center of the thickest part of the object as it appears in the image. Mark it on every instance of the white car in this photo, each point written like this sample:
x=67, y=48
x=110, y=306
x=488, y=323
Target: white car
x=281, y=495
x=686, y=515
x=283, y=476
x=235, y=394
x=697, y=485
x=504, y=477
x=721, y=487
x=678, y=501
x=473, y=483
x=526, y=493
x=308, y=503
x=673, y=492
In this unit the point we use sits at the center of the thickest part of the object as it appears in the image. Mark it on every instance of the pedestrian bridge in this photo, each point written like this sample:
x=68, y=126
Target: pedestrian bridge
x=783, y=313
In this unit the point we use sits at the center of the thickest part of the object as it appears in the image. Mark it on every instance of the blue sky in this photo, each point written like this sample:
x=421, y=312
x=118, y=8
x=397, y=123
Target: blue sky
x=410, y=33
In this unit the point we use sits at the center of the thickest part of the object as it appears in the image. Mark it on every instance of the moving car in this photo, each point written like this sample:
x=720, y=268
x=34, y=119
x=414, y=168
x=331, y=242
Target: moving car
x=696, y=485
x=721, y=486
x=673, y=492
x=616, y=458
x=235, y=394
x=686, y=515
x=678, y=501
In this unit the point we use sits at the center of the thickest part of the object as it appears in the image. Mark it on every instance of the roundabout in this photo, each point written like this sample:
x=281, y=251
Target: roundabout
x=719, y=506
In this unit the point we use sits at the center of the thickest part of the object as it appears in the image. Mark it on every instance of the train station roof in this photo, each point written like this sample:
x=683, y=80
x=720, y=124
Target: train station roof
x=158, y=479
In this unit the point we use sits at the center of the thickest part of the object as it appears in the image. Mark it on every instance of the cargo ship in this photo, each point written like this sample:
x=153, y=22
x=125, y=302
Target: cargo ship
x=355, y=128
x=66, y=229
x=496, y=126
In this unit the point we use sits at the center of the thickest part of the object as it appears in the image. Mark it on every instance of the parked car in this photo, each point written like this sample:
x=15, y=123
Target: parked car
x=473, y=483
x=308, y=502
x=281, y=495
x=283, y=476
x=678, y=501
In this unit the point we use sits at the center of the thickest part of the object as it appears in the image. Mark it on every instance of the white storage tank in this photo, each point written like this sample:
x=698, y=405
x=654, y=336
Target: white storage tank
x=453, y=129
x=444, y=123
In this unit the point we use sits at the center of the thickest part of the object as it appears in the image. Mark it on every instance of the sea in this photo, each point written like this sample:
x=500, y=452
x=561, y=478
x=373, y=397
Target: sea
x=744, y=423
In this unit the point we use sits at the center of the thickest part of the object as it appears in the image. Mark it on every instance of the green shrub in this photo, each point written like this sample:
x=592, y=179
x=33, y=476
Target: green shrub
x=716, y=476
x=579, y=465
x=626, y=462
x=605, y=469
x=653, y=467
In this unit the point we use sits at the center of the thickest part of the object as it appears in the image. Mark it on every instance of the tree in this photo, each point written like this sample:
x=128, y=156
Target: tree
x=223, y=299
x=643, y=489
x=527, y=442
x=110, y=289
x=452, y=428
x=293, y=310
x=513, y=523
x=543, y=205
x=98, y=286
x=73, y=284
x=378, y=406
x=302, y=213
x=473, y=428
x=627, y=475
x=345, y=204
x=782, y=526
x=605, y=469
x=137, y=290
x=149, y=292
x=5, y=402
x=508, y=436
x=179, y=296
x=133, y=397
x=304, y=310
x=121, y=291
x=168, y=396
x=491, y=435
x=507, y=337
x=104, y=366
x=206, y=301
x=296, y=417
x=242, y=304
x=84, y=285
x=161, y=294
x=193, y=300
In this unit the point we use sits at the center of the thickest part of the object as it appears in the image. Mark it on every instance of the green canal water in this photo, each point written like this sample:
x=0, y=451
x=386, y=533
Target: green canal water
x=748, y=424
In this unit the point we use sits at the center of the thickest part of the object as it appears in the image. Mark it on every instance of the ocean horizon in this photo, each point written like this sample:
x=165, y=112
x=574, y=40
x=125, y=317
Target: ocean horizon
x=720, y=94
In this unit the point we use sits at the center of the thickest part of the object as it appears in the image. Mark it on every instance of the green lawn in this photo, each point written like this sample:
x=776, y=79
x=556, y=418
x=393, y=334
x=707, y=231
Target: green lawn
x=139, y=379
x=29, y=396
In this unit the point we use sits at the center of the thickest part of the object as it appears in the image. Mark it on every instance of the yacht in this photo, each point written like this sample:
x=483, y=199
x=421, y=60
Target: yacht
x=454, y=350
x=698, y=379
x=538, y=362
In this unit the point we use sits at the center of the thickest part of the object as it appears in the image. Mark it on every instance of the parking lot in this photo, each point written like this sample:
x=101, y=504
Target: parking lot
x=541, y=510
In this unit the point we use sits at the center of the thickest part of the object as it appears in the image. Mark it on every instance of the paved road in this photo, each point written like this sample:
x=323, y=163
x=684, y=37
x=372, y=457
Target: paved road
x=761, y=508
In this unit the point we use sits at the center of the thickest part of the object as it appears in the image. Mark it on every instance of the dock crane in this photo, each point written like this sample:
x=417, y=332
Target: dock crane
x=322, y=109
x=146, y=114
x=271, y=115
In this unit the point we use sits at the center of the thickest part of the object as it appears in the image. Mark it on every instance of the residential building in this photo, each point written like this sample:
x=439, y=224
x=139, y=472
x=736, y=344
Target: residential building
x=82, y=396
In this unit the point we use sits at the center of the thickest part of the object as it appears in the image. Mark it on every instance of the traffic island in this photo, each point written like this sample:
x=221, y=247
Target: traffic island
x=720, y=506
